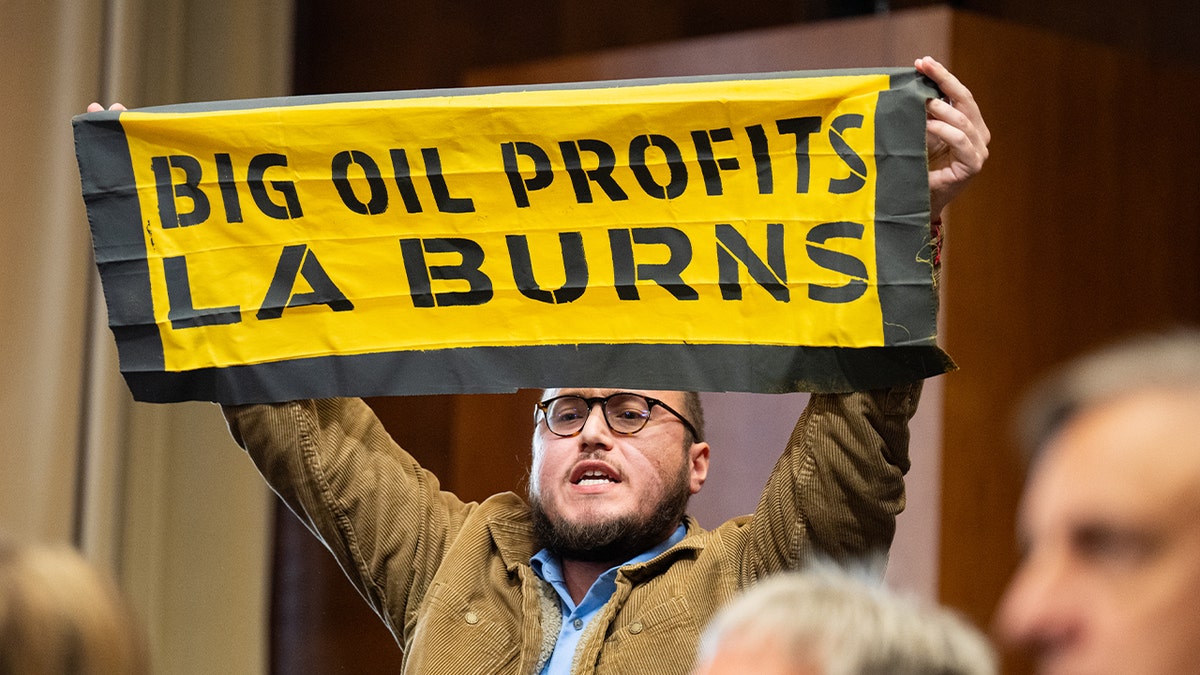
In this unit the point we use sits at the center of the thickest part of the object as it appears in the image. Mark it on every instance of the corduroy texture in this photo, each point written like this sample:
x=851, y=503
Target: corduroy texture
x=452, y=579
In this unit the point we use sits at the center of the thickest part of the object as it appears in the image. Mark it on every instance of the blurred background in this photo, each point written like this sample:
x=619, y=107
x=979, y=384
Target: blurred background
x=1083, y=227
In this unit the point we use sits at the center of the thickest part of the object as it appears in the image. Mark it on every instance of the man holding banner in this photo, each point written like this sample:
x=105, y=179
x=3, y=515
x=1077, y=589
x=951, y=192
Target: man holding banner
x=601, y=570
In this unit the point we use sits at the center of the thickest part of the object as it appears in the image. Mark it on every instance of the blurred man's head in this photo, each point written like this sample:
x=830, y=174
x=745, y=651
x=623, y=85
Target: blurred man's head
x=1110, y=519
x=825, y=621
x=60, y=615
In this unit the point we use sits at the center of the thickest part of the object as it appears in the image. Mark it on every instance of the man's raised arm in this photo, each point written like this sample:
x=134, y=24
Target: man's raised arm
x=839, y=486
x=385, y=518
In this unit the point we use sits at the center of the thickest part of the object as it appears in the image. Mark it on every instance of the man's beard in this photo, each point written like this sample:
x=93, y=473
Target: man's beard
x=614, y=540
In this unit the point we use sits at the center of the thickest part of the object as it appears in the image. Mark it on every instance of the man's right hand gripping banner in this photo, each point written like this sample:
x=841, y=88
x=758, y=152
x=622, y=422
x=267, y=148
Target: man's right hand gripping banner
x=744, y=233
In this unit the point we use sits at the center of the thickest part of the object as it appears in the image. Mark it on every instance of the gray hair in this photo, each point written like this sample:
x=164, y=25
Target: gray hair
x=847, y=625
x=1157, y=361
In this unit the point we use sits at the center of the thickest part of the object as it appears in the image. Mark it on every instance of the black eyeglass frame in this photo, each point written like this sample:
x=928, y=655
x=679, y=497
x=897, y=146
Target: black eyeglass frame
x=544, y=406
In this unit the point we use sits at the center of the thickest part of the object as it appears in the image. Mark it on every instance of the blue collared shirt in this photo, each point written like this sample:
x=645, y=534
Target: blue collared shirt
x=576, y=617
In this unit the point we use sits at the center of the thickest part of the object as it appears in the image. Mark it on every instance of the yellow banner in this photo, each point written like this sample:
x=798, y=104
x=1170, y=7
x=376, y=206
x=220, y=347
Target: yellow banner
x=731, y=212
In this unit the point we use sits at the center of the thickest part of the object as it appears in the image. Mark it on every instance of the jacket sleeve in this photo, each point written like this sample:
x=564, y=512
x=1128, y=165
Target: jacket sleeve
x=839, y=485
x=383, y=517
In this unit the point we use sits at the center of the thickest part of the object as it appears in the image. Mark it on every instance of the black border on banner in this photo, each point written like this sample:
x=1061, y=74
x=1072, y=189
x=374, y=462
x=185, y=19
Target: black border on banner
x=901, y=227
x=495, y=370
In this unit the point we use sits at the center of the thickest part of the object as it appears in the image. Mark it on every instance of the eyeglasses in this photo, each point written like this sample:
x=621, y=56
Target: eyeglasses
x=624, y=412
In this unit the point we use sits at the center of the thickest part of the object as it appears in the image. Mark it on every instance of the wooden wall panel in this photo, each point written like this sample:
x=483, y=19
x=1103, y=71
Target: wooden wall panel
x=354, y=45
x=319, y=622
x=1084, y=226
x=892, y=40
x=1162, y=29
x=491, y=446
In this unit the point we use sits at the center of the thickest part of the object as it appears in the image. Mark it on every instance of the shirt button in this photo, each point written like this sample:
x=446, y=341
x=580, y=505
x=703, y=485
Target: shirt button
x=635, y=628
x=472, y=618
x=578, y=623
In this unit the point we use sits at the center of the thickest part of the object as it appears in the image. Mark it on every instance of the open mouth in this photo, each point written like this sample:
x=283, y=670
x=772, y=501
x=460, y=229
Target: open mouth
x=594, y=473
x=595, y=478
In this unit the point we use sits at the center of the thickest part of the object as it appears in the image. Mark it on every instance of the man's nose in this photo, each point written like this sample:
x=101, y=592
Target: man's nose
x=1037, y=612
x=595, y=431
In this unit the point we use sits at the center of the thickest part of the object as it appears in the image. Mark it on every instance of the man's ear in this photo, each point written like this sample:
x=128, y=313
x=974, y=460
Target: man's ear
x=698, y=465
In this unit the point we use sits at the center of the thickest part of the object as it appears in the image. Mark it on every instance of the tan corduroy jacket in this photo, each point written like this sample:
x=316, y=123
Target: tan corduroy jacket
x=452, y=580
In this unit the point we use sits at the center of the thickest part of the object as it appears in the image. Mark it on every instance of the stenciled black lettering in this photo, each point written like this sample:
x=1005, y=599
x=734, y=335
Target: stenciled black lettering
x=581, y=178
x=761, y=151
x=836, y=261
x=441, y=191
x=421, y=274
x=168, y=191
x=180, y=310
x=732, y=247
x=298, y=261
x=340, y=169
x=404, y=181
x=801, y=128
x=575, y=269
x=542, y=176
x=627, y=271
x=228, y=185
x=290, y=209
x=858, y=168
x=710, y=166
x=677, y=180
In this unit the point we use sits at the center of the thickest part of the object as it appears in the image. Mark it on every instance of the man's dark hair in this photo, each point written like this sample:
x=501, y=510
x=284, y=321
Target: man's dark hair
x=694, y=412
